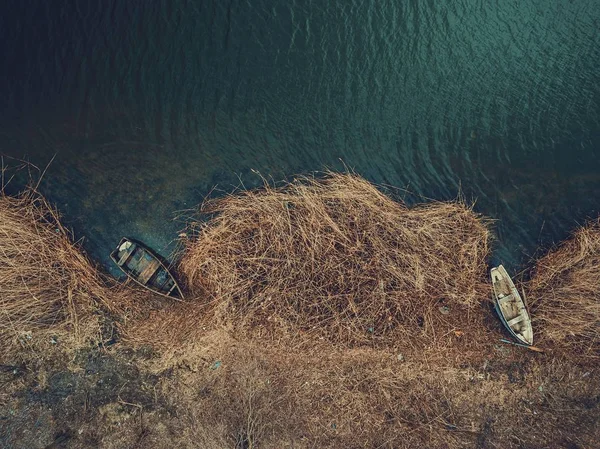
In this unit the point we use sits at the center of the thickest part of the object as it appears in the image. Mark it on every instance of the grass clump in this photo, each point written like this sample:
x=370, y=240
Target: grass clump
x=47, y=286
x=564, y=292
x=337, y=257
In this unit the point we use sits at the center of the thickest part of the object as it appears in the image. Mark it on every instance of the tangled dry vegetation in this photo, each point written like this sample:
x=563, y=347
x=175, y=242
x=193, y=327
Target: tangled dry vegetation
x=322, y=314
x=389, y=345
x=337, y=259
x=47, y=286
x=564, y=292
x=250, y=394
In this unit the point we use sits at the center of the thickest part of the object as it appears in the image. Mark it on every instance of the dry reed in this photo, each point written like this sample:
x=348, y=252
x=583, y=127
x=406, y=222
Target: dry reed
x=47, y=286
x=327, y=261
x=564, y=294
x=336, y=257
x=259, y=395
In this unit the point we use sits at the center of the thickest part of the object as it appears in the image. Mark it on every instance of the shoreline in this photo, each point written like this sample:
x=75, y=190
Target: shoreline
x=362, y=349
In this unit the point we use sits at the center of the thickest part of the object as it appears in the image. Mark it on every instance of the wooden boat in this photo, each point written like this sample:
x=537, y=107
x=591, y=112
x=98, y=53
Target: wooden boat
x=144, y=267
x=510, y=306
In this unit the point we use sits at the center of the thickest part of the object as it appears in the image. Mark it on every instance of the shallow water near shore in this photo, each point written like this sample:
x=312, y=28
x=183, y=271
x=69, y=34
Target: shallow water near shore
x=146, y=107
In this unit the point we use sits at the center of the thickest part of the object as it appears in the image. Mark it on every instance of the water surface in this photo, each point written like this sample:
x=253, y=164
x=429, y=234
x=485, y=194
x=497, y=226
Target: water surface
x=148, y=105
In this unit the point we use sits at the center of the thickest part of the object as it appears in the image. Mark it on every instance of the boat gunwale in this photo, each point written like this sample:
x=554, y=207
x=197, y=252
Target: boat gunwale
x=157, y=258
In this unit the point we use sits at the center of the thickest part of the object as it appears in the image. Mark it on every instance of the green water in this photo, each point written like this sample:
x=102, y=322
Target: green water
x=148, y=105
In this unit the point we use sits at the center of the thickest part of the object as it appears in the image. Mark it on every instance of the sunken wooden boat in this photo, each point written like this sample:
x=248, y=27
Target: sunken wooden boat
x=144, y=267
x=510, y=306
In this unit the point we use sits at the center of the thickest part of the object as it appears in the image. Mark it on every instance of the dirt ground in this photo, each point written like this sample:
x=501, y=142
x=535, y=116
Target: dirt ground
x=231, y=392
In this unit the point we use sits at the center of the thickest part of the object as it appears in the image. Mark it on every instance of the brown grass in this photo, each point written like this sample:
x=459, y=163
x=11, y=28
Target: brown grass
x=564, y=292
x=273, y=348
x=259, y=395
x=325, y=314
x=336, y=258
x=47, y=286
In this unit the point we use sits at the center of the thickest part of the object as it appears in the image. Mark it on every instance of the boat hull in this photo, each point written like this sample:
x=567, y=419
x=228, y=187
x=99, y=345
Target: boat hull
x=510, y=306
x=145, y=268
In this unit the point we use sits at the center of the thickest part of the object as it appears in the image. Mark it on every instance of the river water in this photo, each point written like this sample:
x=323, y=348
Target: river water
x=147, y=105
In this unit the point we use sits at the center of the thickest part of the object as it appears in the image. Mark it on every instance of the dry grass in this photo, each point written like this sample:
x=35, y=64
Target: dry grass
x=261, y=396
x=287, y=340
x=47, y=286
x=325, y=314
x=564, y=293
x=336, y=258
x=316, y=321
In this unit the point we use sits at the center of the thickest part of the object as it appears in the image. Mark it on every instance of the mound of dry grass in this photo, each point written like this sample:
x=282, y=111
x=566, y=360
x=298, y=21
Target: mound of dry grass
x=337, y=257
x=564, y=293
x=47, y=286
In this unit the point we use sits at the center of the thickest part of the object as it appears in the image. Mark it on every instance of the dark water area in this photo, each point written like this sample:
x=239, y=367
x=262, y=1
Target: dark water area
x=146, y=106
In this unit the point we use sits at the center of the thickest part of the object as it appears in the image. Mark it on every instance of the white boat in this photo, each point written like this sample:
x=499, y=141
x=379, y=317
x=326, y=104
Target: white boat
x=510, y=306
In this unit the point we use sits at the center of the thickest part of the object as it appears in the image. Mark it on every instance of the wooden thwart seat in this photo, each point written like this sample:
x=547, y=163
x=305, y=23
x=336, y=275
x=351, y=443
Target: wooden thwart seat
x=172, y=288
x=147, y=273
x=505, y=299
x=516, y=320
x=124, y=258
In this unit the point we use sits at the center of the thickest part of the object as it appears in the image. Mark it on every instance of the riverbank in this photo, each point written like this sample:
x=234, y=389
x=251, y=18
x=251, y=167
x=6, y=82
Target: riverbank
x=49, y=290
x=320, y=313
